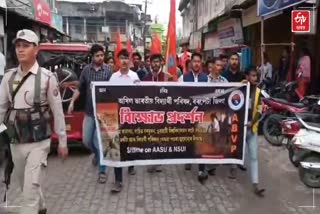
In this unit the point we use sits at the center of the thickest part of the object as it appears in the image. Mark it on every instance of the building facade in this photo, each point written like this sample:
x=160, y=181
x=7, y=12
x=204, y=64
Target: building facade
x=100, y=22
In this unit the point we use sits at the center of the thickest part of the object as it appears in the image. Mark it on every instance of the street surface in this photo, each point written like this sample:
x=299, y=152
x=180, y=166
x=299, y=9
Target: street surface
x=72, y=188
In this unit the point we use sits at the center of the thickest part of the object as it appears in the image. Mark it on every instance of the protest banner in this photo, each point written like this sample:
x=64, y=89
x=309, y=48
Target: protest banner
x=171, y=123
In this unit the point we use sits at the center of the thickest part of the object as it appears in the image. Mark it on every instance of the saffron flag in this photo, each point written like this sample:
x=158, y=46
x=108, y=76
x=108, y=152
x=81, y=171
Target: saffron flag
x=171, y=51
x=129, y=47
x=156, y=47
x=118, y=49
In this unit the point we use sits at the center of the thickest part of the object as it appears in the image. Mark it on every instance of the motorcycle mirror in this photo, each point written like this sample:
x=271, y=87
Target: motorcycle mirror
x=266, y=95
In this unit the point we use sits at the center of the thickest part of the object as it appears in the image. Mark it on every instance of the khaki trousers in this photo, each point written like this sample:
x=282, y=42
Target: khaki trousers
x=29, y=163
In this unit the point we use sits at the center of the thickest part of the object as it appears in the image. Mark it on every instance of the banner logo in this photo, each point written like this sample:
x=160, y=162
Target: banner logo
x=236, y=100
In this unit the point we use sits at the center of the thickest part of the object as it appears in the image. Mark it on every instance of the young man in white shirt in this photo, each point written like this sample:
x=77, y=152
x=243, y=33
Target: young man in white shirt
x=124, y=76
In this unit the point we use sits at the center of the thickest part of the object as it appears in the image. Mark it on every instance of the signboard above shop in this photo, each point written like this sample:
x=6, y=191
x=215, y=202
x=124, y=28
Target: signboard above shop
x=230, y=33
x=42, y=12
x=267, y=7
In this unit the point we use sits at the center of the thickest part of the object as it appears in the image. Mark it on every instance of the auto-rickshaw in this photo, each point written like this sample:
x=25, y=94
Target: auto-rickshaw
x=67, y=62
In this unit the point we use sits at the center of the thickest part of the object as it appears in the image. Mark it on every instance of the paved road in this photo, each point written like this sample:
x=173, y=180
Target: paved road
x=71, y=188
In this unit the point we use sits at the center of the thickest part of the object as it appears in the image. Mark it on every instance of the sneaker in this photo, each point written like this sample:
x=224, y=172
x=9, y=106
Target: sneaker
x=131, y=170
x=202, y=177
x=117, y=187
x=187, y=167
x=233, y=173
x=42, y=211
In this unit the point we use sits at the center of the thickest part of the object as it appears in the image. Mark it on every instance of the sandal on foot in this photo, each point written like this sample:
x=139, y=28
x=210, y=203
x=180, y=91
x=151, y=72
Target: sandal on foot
x=102, y=178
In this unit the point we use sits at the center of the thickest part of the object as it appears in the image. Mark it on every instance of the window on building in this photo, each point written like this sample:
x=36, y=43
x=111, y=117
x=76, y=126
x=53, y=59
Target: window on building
x=78, y=29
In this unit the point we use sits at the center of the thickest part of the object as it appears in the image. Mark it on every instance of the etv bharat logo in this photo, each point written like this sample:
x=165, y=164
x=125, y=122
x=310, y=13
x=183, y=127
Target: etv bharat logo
x=300, y=21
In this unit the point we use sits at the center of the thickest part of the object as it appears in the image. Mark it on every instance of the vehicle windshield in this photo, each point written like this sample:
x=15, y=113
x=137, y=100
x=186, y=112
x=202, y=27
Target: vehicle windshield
x=67, y=66
x=57, y=59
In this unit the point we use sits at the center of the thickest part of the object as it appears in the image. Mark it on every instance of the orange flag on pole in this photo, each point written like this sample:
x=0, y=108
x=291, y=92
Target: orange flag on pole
x=156, y=47
x=118, y=49
x=129, y=47
x=172, y=42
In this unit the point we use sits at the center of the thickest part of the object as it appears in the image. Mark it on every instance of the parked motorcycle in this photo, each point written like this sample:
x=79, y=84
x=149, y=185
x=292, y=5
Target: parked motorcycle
x=290, y=127
x=308, y=149
x=277, y=110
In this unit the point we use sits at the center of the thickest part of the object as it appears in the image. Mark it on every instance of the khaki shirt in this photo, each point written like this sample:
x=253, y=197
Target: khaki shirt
x=49, y=95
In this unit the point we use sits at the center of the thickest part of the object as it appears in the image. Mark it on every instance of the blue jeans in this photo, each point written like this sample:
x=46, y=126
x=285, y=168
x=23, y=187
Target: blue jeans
x=252, y=156
x=90, y=138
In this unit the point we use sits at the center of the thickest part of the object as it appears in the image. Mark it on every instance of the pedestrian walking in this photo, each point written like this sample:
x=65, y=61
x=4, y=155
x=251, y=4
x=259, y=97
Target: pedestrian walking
x=29, y=100
x=233, y=74
x=96, y=71
x=157, y=75
x=255, y=110
x=123, y=76
x=195, y=75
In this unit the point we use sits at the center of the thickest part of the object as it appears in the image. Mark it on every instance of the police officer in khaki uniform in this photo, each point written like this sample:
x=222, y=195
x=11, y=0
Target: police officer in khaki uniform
x=29, y=98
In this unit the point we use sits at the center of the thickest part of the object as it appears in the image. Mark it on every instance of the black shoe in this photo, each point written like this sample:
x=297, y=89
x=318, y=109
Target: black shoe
x=158, y=168
x=187, y=167
x=202, y=177
x=131, y=171
x=242, y=168
x=233, y=174
x=258, y=192
x=117, y=187
x=212, y=171
x=42, y=211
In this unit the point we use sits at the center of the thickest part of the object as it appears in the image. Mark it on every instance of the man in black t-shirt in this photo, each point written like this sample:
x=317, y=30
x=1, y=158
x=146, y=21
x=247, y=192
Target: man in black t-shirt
x=233, y=73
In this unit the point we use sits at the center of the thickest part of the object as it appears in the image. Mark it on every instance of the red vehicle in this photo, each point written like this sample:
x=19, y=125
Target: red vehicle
x=67, y=62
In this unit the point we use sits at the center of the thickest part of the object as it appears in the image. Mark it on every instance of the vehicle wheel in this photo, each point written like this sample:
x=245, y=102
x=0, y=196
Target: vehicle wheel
x=272, y=129
x=309, y=177
x=291, y=154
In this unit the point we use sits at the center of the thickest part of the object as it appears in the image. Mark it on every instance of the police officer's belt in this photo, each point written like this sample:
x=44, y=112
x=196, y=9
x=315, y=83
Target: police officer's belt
x=30, y=124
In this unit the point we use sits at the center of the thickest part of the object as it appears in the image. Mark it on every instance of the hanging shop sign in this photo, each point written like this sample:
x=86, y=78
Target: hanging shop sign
x=267, y=7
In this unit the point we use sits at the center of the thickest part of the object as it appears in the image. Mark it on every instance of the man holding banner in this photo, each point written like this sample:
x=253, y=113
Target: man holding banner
x=157, y=75
x=196, y=76
x=123, y=76
x=255, y=110
x=96, y=71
